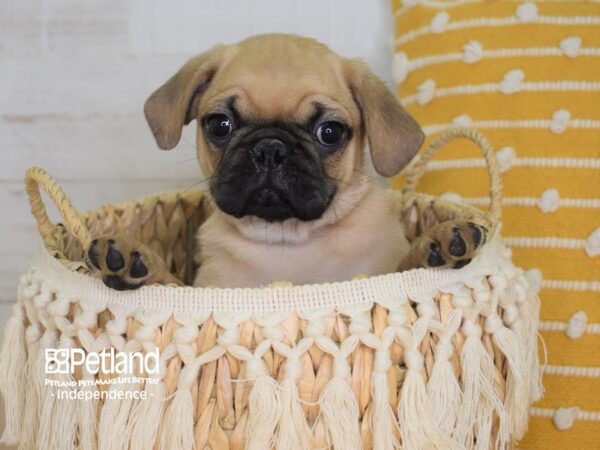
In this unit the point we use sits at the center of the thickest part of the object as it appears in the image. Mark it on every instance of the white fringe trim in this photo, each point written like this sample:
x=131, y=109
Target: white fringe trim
x=293, y=430
x=340, y=414
x=418, y=426
x=264, y=412
x=259, y=301
x=443, y=388
x=178, y=432
x=383, y=421
x=146, y=417
x=480, y=399
x=87, y=421
x=13, y=359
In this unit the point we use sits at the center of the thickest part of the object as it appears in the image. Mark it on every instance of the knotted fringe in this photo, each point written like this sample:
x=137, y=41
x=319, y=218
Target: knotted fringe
x=340, y=414
x=473, y=375
x=40, y=399
x=529, y=307
x=382, y=417
x=479, y=396
x=35, y=373
x=113, y=427
x=415, y=418
x=292, y=431
x=146, y=417
x=443, y=389
x=264, y=412
x=147, y=414
x=87, y=416
x=535, y=371
x=179, y=434
x=444, y=394
x=58, y=421
x=517, y=392
x=13, y=359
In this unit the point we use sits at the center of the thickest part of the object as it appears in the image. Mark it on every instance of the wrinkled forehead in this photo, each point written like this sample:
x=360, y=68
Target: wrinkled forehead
x=273, y=84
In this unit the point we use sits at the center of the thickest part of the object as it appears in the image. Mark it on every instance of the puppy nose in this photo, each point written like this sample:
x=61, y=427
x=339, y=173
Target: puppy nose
x=270, y=152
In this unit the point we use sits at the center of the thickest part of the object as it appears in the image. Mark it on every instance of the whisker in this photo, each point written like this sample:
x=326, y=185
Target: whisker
x=179, y=163
x=196, y=184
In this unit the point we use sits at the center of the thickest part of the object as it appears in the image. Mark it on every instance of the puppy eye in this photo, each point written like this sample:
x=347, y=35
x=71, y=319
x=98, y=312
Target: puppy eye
x=219, y=126
x=330, y=133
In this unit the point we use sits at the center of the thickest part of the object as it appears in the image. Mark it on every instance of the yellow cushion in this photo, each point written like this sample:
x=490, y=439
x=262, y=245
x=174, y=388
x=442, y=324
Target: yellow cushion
x=528, y=76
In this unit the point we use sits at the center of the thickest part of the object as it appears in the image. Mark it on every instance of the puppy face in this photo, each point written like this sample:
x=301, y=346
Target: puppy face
x=282, y=124
x=273, y=141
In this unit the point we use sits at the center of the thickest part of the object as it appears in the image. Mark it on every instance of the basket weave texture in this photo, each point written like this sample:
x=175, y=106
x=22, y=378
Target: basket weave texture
x=424, y=359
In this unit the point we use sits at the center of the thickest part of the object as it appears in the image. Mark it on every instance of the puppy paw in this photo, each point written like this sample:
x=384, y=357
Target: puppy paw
x=451, y=244
x=125, y=264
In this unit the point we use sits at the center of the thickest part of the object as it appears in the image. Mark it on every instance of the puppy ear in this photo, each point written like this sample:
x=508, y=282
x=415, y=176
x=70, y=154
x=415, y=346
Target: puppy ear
x=394, y=136
x=173, y=105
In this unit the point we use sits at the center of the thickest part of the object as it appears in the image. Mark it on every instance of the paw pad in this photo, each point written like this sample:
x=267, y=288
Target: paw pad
x=477, y=233
x=118, y=262
x=114, y=259
x=458, y=246
x=138, y=268
x=461, y=263
x=451, y=244
x=93, y=256
x=435, y=258
x=117, y=283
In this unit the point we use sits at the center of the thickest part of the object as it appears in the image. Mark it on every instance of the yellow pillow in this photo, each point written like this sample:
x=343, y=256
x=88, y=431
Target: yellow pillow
x=527, y=74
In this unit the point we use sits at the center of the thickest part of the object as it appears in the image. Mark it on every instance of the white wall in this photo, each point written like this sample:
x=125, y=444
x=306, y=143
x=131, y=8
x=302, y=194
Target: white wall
x=74, y=75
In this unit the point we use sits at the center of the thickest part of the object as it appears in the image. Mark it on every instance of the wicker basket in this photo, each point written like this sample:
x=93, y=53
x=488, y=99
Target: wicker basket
x=423, y=359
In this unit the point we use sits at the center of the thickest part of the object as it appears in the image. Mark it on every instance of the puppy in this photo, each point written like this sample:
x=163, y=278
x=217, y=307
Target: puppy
x=284, y=125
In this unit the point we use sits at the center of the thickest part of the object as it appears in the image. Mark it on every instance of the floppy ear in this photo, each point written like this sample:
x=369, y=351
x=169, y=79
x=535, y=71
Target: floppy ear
x=394, y=136
x=173, y=104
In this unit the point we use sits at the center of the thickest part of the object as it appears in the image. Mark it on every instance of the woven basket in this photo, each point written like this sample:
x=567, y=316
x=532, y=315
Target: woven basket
x=423, y=359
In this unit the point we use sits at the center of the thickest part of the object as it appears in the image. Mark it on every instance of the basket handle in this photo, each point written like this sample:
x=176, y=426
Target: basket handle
x=418, y=169
x=37, y=178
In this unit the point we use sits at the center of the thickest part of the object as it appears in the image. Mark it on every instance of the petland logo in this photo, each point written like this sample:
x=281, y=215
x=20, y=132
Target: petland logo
x=66, y=360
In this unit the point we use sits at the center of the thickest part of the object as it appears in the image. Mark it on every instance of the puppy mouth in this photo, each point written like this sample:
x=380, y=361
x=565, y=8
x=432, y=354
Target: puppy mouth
x=270, y=204
x=275, y=205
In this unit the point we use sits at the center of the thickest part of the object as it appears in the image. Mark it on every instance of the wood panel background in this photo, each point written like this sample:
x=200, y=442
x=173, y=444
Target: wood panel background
x=74, y=75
